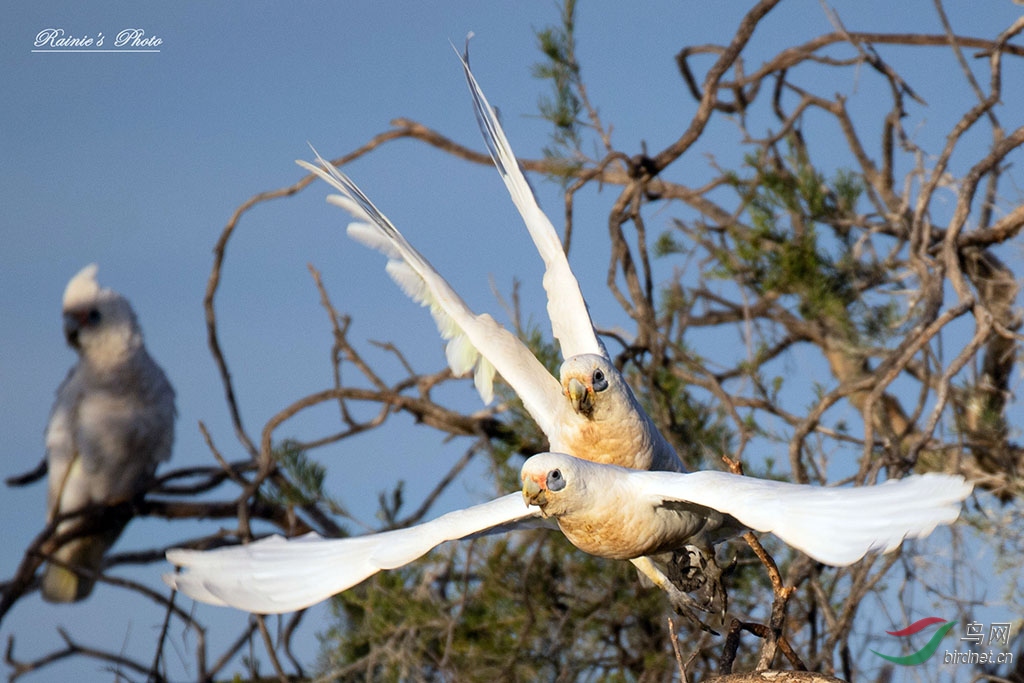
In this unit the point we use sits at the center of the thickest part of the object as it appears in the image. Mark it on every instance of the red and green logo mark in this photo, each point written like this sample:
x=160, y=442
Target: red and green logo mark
x=930, y=647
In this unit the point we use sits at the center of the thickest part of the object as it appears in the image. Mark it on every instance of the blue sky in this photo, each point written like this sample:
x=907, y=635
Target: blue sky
x=136, y=162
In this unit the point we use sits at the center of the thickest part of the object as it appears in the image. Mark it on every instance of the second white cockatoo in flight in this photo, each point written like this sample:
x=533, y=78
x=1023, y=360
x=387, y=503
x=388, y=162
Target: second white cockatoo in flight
x=111, y=425
x=590, y=411
x=604, y=510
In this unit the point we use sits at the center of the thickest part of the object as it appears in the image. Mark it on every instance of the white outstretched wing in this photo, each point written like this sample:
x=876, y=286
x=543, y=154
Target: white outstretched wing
x=837, y=526
x=473, y=340
x=277, y=575
x=570, y=319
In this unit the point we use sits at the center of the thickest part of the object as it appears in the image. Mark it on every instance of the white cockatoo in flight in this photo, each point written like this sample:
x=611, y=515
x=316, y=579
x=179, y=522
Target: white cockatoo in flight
x=604, y=510
x=112, y=423
x=590, y=412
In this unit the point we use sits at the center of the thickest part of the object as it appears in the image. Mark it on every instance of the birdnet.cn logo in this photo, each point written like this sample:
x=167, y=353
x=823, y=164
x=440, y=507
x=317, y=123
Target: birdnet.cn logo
x=998, y=634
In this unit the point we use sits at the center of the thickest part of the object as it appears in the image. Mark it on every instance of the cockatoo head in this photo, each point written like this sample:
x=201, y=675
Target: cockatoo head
x=98, y=323
x=551, y=481
x=593, y=386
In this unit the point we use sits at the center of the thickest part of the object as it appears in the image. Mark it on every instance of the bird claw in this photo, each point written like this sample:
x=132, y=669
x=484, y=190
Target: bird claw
x=688, y=608
x=696, y=570
x=688, y=569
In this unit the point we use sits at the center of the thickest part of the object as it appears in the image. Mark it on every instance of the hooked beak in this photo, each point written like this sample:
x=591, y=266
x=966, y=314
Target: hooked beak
x=534, y=492
x=581, y=397
x=72, y=324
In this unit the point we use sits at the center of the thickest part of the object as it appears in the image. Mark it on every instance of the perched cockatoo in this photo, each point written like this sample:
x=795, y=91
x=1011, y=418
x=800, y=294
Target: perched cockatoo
x=605, y=510
x=590, y=412
x=112, y=423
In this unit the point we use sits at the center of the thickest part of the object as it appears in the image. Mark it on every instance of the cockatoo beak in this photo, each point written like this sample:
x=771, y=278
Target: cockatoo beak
x=581, y=396
x=534, y=490
x=73, y=323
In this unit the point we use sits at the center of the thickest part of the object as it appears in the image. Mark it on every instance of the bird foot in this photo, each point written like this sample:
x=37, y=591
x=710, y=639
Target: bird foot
x=696, y=570
x=689, y=609
x=683, y=604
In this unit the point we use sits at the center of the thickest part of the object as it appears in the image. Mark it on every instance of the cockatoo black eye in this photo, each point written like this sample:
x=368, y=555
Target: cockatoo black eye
x=556, y=482
x=599, y=381
x=94, y=316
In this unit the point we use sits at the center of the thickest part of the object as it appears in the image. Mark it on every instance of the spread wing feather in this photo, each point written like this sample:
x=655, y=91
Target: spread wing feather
x=276, y=575
x=837, y=526
x=570, y=319
x=474, y=341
